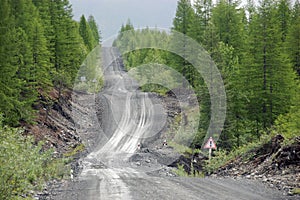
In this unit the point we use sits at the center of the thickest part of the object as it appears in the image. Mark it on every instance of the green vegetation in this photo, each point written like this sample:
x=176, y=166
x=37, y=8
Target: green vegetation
x=223, y=157
x=256, y=49
x=24, y=166
x=296, y=191
x=89, y=77
x=80, y=148
x=41, y=48
x=287, y=125
x=183, y=149
x=181, y=172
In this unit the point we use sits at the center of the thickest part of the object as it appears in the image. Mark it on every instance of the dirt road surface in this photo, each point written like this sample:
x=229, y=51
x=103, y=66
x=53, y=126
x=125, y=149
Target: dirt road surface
x=128, y=117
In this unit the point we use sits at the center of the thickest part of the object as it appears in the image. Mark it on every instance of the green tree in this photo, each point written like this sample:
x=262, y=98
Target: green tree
x=86, y=34
x=293, y=38
x=44, y=8
x=183, y=23
x=283, y=15
x=95, y=30
x=228, y=22
x=184, y=17
x=234, y=133
x=267, y=74
x=69, y=50
x=124, y=42
x=9, y=84
x=32, y=55
x=202, y=18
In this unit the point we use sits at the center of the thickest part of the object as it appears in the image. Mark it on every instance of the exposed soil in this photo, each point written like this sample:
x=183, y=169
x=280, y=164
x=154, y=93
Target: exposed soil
x=276, y=165
x=54, y=123
x=273, y=164
x=74, y=119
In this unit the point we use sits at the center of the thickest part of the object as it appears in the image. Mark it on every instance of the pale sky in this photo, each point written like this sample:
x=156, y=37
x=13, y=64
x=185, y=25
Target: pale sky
x=111, y=14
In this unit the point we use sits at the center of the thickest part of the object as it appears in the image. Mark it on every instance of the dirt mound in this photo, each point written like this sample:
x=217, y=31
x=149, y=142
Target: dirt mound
x=273, y=163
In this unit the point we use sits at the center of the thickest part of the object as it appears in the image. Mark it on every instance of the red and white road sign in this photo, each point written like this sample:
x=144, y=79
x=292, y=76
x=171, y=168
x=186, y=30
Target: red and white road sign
x=210, y=144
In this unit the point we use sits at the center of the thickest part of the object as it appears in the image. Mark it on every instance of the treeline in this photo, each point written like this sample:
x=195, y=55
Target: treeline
x=41, y=47
x=257, y=50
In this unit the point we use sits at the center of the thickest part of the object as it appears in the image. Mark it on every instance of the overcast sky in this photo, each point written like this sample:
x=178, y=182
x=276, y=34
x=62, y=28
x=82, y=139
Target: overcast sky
x=111, y=14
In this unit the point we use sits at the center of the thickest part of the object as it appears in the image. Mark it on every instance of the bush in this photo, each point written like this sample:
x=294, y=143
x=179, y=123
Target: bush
x=23, y=165
x=180, y=171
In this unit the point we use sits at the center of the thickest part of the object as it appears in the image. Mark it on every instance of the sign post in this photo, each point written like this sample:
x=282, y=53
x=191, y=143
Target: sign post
x=210, y=144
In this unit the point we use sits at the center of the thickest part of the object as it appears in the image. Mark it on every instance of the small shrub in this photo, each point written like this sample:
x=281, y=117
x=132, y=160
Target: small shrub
x=82, y=87
x=23, y=165
x=296, y=191
x=78, y=149
x=180, y=171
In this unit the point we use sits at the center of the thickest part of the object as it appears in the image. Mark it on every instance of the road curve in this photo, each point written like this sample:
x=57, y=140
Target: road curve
x=130, y=117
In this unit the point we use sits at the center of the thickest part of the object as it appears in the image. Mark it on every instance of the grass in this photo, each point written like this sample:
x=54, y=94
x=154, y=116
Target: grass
x=80, y=148
x=180, y=148
x=295, y=191
x=181, y=172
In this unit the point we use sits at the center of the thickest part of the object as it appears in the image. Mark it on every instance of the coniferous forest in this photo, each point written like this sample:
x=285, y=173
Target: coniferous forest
x=41, y=50
x=257, y=50
x=41, y=47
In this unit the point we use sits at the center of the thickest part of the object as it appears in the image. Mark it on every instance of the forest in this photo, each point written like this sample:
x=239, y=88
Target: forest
x=256, y=48
x=41, y=50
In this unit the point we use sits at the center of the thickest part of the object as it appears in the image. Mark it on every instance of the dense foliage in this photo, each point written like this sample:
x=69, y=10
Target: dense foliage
x=41, y=47
x=41, y=50
x=24, y=166
x=256, y=48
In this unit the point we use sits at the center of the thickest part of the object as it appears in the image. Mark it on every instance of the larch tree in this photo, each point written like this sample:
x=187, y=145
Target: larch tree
x=293, y=38
x=183, y=23
x=228, y=22
x=9, y=83
x=267, y=73
x=32, y=54
x=68, y=52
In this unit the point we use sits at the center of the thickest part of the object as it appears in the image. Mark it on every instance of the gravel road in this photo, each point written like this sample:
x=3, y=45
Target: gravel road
x=109, y=170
